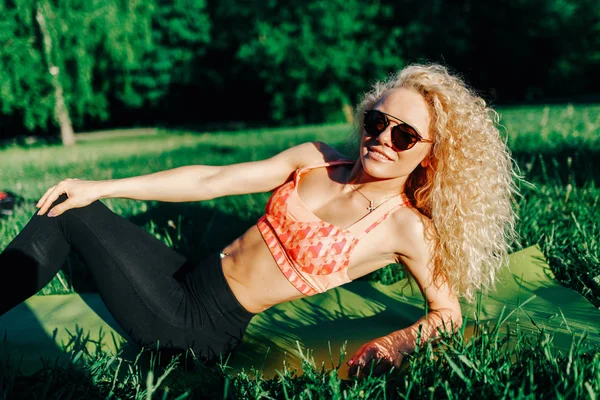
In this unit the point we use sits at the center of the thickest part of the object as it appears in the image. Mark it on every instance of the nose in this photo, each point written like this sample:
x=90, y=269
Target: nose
x=385, y=137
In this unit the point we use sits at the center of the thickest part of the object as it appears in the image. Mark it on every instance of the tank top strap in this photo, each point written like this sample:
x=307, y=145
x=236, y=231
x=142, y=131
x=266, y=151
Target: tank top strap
x=300, y=171
x=380, y=214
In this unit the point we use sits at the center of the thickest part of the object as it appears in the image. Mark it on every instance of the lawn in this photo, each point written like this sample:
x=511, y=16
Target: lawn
x=557, y=149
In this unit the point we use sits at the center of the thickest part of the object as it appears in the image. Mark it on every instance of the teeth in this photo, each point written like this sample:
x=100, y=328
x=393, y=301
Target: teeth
x=379, y=155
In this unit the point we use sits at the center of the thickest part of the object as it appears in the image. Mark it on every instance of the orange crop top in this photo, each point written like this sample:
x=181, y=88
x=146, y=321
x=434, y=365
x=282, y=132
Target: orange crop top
x=313, y=254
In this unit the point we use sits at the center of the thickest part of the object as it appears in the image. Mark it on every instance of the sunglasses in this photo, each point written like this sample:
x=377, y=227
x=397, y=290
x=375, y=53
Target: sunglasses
x=404, y=136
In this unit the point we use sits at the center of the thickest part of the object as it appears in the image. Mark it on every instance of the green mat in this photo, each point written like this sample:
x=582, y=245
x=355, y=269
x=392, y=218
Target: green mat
x=44, y=326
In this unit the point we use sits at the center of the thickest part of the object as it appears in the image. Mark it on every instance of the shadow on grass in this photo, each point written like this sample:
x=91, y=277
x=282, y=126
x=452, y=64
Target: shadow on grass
x=203, y=229
x=321, y=322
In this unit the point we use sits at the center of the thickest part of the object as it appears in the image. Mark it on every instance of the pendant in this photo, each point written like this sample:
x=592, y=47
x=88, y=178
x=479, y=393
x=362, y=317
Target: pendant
x=370, y=208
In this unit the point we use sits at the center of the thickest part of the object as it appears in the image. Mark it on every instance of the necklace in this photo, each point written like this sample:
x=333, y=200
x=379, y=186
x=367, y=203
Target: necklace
x=372, y=207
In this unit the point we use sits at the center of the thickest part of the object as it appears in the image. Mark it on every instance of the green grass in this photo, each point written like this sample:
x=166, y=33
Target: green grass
x=557, y=149
x=488, y=365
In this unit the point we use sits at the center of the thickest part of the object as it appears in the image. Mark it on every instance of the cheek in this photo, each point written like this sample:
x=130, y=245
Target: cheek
x=412, y=160
x=406, y=163
x=403, y=167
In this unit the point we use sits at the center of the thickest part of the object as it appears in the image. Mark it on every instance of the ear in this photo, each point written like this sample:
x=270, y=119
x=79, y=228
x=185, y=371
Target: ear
x=426, y=162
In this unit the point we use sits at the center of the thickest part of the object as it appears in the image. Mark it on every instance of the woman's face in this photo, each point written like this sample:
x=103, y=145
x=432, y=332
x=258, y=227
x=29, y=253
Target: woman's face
x=379, y=157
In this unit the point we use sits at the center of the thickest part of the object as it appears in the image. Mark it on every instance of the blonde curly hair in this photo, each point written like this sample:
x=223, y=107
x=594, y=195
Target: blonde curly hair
x=467, y=191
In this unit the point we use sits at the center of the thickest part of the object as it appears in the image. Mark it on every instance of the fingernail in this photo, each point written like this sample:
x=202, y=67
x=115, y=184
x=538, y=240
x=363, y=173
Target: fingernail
x=51, y=214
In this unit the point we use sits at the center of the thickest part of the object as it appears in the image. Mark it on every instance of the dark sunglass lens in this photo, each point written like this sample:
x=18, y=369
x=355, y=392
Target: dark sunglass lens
x=375, y=122
x=403, y=137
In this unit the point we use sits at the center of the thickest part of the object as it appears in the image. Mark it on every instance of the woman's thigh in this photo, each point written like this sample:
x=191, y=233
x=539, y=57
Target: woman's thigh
x=135, y=273
x=154, y=293
x=128, y=265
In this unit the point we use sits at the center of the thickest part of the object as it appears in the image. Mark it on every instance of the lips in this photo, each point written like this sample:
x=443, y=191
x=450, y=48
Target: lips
x=379, y=153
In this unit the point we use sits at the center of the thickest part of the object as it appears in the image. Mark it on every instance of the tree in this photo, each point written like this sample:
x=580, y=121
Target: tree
x=24, y=83
x=63, y=58
x=180, y=33
x=316, y=57
x=45, y=17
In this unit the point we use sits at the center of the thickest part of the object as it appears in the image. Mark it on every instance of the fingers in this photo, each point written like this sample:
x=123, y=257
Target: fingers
x=359, y=353
x=49, y=198
x=373, y=367
x=354, y=369
x=61, y=208
x=381, y=368
x=43, y=198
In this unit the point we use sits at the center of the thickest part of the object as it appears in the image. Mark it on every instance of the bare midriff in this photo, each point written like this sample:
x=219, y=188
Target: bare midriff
x=253, y=275
x=258, y=283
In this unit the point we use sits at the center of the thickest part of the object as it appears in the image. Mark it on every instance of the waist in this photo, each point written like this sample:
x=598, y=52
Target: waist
x=207, y=279
x=253, y=275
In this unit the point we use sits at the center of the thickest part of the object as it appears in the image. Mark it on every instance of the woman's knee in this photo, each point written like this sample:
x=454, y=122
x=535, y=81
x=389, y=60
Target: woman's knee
x=82, y=212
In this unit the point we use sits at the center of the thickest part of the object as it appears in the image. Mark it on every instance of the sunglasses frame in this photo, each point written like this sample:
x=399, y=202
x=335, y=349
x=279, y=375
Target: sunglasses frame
x=417, y=138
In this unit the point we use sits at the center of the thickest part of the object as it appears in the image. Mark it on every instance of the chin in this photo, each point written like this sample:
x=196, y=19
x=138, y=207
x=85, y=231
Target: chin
x=378, y=169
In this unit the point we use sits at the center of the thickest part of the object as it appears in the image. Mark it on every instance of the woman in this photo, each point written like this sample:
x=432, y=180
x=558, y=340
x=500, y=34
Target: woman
x=431, y=189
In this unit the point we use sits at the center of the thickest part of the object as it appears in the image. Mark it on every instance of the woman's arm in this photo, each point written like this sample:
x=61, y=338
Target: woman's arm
x=443, y=314
x=189, y=183
x=205, y=182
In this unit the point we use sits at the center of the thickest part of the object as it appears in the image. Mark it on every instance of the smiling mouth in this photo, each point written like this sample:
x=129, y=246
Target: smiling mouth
x=379, y=154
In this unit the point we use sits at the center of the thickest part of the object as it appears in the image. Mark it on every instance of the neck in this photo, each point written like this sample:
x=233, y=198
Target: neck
x=376, y=186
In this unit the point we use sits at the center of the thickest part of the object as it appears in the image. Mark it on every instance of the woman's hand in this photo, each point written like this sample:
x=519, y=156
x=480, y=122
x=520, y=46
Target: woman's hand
x=80, y=194
x=380, y=352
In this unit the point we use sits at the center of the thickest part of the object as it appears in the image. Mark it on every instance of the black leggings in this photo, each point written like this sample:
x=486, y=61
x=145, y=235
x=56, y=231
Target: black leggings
x=155, y=294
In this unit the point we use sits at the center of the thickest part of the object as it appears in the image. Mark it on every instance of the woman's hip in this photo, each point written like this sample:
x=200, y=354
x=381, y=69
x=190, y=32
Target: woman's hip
x=208, y=318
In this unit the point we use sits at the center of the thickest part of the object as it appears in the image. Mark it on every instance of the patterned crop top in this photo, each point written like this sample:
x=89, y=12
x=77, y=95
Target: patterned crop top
x=313, y=254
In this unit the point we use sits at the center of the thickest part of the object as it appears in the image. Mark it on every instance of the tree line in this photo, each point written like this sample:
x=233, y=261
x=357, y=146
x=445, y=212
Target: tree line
x=80, y=64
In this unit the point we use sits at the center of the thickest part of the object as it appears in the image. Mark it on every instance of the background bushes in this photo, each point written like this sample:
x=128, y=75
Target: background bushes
x=198, y=62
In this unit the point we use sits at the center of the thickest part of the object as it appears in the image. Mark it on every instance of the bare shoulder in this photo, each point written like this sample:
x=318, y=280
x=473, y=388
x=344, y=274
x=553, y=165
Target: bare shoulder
x=330, y=153
x=413, y=230
x=312, y=153
x=267, y=174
